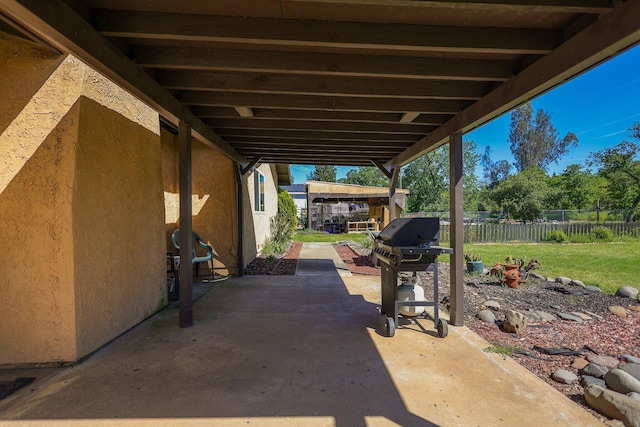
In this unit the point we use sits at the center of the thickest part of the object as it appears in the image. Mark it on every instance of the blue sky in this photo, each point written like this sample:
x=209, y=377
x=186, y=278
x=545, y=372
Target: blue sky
x=598, y=106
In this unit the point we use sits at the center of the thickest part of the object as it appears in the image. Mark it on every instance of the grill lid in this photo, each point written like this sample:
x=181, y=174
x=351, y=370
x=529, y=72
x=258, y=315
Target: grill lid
x=411, y=232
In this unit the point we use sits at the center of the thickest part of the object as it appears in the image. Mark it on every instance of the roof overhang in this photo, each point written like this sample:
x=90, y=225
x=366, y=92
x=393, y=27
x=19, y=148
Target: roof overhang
x=356, y=82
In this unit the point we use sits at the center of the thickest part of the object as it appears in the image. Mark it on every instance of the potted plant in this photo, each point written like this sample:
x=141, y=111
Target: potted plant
x=474, y=263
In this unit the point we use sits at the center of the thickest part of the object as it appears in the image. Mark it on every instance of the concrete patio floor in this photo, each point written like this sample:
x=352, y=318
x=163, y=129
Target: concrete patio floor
x=304, y=350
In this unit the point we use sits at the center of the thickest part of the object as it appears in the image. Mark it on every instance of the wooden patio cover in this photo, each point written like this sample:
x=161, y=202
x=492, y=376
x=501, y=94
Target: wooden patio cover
x=341, y=82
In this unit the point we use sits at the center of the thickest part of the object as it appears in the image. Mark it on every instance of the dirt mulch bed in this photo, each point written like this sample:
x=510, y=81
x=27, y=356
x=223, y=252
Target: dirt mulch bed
x=281, y=264
x=357, y=262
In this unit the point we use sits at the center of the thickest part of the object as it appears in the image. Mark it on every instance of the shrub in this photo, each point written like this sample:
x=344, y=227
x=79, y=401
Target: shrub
x=281, y=232
x=580, y=238
x=602, y=234
x=287, y=207
x=557, y=236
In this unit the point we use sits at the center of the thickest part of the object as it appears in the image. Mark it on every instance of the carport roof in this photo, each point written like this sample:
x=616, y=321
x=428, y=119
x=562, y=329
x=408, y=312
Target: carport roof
x=342, y=82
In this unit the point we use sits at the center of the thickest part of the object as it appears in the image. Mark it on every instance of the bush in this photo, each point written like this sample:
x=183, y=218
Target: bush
x=287, y=207
x=557, y=236
x=602, y=234
x=281, y=232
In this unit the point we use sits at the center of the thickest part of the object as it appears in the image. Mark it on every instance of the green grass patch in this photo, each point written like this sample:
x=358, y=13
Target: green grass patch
x=318, y=236
x=504, y=350
x=606, y=265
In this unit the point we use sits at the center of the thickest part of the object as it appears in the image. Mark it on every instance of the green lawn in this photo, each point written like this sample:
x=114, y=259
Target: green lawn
x=317, y=236
x=606, y=265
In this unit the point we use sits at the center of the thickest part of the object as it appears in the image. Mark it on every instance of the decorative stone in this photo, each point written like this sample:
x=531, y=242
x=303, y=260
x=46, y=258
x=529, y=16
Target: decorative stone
x=585, y=380
x=529, y=314
x=565, y=377
x=579, y=363
x=606, y=361
x=630, y=359
x=634, y=395
x=621, y=381
x=592, y=288
x=592, y=314
x=618, y=310
x=563, y=280
x=632, y=369
x=487, y=316
x=492, y=305
x=536, y=275
x=581, y=315
x=613, y=404
x=514, y=322
x=575, y=282
x=627, y=292
x=567, y=316
x=546, y=316
x=594, y=370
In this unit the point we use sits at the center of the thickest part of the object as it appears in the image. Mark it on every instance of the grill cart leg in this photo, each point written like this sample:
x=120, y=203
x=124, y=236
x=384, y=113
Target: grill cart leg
x=390, y=326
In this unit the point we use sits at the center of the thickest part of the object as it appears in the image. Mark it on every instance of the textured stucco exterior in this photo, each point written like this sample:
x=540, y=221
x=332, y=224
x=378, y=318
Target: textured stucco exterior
x=257, y=225
x=81, y=209
x=214, y=205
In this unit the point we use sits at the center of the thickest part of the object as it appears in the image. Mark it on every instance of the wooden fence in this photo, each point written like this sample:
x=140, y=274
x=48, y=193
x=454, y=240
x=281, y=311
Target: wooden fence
x=532, y=232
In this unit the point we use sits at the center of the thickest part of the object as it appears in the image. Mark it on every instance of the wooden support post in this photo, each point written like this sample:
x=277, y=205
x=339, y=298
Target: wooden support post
x=393, y=182
x=240, y=219
x=380, y=166
x=186, y=226
x=456, y=213
x=308, y=208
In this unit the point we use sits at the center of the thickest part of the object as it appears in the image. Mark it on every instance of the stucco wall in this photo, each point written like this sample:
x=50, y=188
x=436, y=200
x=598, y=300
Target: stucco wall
x=37, y=300
x=81, y=211
x=257, y=225
x=213, y=201
x=118, y=229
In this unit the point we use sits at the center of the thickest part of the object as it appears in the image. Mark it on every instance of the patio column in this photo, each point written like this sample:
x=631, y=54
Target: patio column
x=393, y=182
x=240, y=219
x=186, y=226
x=308, y=207
x=456, y=213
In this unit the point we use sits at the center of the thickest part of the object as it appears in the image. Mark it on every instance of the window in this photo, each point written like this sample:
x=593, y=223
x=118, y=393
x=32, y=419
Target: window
x=258, y=188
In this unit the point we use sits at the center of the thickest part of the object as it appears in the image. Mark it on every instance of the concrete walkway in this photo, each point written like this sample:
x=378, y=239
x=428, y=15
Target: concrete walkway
x=303, y=350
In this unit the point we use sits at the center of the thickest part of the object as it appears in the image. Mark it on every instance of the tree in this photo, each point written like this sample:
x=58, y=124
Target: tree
x=535, y=141
x=367, y=175
x=427, y=179
x=494, y=172
x=326, y=173
x=620, y=167
x=523, y=195
x=579, y=188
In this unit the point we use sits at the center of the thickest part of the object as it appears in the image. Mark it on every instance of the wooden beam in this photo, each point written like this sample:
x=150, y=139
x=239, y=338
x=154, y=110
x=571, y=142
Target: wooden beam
x=597, y=43
x=323, y=64
x=558, y=6
x=409, y=117
x=58, y=24
x=382, y=169
x=362, y=144
x=343, y=116
x=251, y=164
x=393, y=182
x=319, y=151
x=321, y=85
x=456, y=213
x=240, y=188
x=318, y=125
x=319, y=135
x=244, y=111
x=186, y=225
x=262, y=33
x=257, y=100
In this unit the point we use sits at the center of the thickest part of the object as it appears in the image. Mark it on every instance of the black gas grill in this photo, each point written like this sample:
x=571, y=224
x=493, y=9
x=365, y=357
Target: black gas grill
x=409, y=245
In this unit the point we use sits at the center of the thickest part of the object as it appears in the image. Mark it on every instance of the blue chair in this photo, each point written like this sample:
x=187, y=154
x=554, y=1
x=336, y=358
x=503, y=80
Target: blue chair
x=175, y=237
